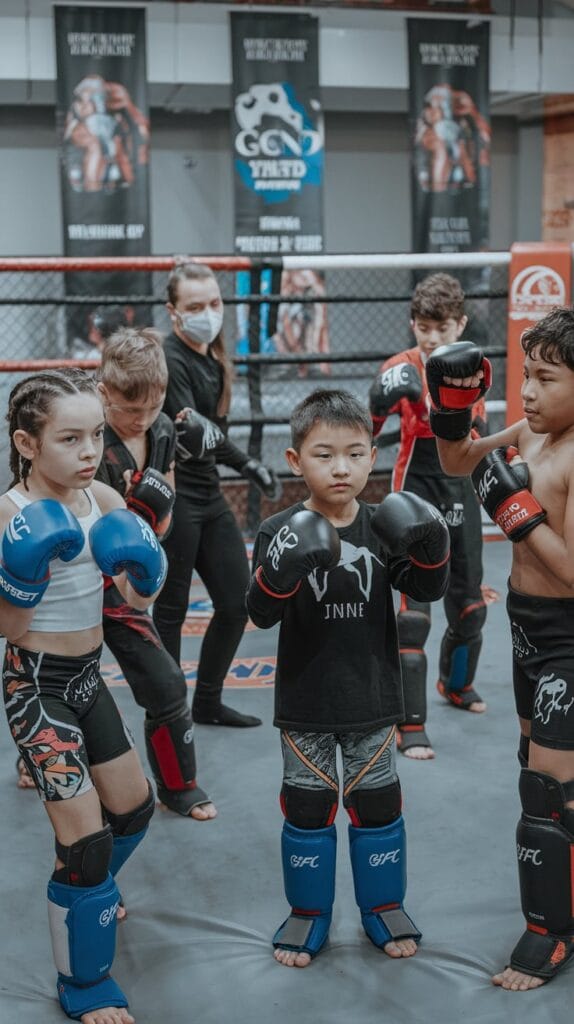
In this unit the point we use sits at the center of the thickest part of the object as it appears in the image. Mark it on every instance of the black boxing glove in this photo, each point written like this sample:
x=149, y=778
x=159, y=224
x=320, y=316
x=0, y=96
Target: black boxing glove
x=400, y=381
x=409, y=527
x=503, y=491
x=451, y=404
x=307, y=541
x=263, y=478
x=195, y=435
x=152, y=497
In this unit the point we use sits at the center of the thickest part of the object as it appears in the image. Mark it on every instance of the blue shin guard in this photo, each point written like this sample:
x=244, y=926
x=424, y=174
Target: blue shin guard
x=309, y=858
x=378, y=858
x=83, y=930
x=123, y=848
x=129, y=829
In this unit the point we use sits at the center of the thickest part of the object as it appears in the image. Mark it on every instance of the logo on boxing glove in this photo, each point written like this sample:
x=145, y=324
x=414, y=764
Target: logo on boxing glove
x=395, y=377
x=147, y=533
x=487, y=481
x=284, y=539
x=211, y=436
x=16, y=527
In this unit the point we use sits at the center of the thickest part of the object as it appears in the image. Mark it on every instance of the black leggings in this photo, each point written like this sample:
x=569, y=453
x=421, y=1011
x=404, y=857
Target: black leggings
x=214, y=547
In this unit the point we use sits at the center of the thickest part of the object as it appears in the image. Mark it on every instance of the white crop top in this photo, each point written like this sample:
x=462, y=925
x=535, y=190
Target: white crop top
x=74, y=597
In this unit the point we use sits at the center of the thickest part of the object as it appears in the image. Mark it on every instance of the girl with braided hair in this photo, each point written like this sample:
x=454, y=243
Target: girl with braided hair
x=60, y=531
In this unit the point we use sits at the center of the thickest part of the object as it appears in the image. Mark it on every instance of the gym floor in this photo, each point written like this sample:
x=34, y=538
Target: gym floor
x=203, y=899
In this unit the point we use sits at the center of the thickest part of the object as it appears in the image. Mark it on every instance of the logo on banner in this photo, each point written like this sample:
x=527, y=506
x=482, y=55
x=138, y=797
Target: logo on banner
x=535, y=291
x=278, y=151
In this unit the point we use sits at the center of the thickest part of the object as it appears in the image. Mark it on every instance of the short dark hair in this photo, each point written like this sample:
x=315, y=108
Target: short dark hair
x=552, y=337
x=107, y=319
x=438, y=297
x=336, y=408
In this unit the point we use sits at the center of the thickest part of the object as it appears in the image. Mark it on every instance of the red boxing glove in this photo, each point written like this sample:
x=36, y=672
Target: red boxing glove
x=503, y=491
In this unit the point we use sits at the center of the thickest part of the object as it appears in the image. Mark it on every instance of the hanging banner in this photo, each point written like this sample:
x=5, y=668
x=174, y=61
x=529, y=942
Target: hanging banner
x=278, y=138
x=450, y=134
x=103, y=133
x=430, y=6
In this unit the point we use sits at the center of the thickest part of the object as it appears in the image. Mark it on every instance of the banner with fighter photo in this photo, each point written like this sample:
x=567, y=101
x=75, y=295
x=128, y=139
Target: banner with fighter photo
x=277, y=130
x=103, y=134
x=450, y=134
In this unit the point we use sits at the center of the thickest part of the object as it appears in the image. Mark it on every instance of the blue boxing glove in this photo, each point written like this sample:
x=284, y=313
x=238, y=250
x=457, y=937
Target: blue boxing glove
x=121, y=540
x=35, y=536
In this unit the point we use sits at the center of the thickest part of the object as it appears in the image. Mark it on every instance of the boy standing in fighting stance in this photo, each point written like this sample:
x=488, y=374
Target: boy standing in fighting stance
x=324, y=569
x=138, y=460
x=437, y=318
x=532, y=500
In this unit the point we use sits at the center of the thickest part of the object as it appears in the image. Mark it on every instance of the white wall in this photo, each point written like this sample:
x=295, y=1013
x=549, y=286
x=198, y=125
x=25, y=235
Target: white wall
x=366, y=193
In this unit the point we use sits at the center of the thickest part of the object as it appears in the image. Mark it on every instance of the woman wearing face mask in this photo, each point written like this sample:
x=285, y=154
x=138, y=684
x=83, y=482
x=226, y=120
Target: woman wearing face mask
x=204, y=535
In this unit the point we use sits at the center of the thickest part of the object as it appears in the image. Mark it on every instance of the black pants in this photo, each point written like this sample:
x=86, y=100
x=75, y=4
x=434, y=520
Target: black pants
x=155, y=679
x=210, y=542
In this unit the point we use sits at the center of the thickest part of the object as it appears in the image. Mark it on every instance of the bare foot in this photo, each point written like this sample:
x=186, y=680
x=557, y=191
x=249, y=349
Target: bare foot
x=108, y=1015
x=291, y=958
x=459, y=699
x=516, y=981
x=419, y=753
x=25, y=780
x=402, y=947
x=203, y=812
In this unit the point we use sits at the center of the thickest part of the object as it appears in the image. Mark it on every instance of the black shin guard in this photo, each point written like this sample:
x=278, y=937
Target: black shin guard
x=129, y=829
x=87, y=861
x=545, y=848
x=170, y=749
x=413, y=623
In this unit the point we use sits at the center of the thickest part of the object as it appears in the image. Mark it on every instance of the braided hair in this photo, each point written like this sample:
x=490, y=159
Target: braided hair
x=30, y=404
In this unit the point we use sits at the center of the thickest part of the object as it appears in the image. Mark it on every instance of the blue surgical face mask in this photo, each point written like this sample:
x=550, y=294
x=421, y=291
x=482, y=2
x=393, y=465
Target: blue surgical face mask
x=201, y=327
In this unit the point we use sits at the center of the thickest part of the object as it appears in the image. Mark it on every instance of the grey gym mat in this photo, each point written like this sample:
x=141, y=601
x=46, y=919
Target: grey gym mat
x=205, y=898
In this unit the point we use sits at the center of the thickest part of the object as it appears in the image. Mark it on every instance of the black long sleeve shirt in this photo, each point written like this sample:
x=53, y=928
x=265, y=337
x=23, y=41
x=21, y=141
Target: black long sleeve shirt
x=196, y=381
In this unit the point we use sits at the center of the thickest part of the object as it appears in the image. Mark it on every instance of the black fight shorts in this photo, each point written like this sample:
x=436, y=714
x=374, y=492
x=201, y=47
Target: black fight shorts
x=543, y=666
x=62, y=718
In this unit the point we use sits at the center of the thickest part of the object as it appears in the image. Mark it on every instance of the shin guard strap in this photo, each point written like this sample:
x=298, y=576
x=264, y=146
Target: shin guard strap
x=76, y=1000
x=541, y=955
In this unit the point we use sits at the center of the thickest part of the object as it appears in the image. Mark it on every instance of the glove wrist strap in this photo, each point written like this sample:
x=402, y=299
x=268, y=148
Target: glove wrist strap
x=267, y=590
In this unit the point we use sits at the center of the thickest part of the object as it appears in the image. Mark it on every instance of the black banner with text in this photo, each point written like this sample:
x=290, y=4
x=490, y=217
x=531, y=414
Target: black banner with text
x=450, y=134
x=103, y=133
x=278, y=139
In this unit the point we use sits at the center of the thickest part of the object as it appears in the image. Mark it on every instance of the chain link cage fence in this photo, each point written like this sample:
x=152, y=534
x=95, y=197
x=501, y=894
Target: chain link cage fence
x=290, y=327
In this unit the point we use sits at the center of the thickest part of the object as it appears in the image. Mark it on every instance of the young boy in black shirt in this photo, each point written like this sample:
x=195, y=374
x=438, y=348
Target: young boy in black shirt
x=324, y=569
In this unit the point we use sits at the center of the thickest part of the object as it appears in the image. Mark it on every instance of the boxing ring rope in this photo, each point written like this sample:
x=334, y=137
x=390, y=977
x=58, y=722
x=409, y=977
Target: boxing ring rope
x=365, y=297
x=364, y=261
